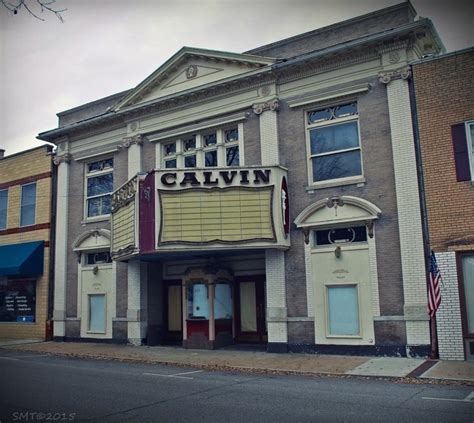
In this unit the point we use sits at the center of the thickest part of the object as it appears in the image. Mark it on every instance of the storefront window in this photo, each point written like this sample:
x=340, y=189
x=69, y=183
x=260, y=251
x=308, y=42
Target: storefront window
x=17, y=300
x=198, y=301
x=223, y=301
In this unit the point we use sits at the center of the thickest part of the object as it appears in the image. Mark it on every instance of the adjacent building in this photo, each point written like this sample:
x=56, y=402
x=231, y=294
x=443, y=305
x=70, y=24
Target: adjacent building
x=268, y=197
x=444, y=88
x=26, y=188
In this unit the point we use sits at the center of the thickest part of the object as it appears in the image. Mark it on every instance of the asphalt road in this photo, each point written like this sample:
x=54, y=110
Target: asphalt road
x=46, y=388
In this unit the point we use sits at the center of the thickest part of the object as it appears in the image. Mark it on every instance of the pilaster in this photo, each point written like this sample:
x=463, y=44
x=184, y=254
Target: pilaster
x=276, y=299
x=408, y=207
x=134, y=146
x=268, y=131
x=61, y=250
x=136, y=312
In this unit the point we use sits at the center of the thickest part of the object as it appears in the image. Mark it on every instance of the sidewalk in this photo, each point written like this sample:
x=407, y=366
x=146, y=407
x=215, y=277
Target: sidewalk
x=262, y=362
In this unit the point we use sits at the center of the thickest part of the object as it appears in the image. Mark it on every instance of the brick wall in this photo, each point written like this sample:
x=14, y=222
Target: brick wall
x=444, y=91
x=379, y=189
x=16, y=168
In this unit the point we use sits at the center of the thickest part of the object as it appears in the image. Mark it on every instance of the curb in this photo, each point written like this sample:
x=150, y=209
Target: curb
x=411, y=378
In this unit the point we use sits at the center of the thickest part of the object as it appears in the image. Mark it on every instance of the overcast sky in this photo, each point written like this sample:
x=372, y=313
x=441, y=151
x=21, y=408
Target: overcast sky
x=107, y=46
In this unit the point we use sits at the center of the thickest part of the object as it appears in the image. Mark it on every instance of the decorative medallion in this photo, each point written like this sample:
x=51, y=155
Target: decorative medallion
x=394, y=57
x=191, y=71
x=64, y=158
x=387, y=77
x=264, y=91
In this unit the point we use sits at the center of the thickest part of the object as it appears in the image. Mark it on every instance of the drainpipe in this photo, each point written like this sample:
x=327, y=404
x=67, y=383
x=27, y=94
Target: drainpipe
x=424, y=213
x=52, y=248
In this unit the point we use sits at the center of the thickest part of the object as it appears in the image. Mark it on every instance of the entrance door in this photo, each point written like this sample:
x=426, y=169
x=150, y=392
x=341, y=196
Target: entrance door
x=342, y=294
x=250, y=308
x=174, y=314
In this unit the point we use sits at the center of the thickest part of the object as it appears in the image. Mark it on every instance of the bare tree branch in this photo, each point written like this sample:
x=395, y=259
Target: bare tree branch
x=44, y=5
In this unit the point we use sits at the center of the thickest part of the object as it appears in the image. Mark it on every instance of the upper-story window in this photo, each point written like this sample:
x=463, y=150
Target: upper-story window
x=463, y=149
x=99, y=186
x=334, y=146
x=470, y=145
x=3, y=208
x=28, y=204
x=213, y=148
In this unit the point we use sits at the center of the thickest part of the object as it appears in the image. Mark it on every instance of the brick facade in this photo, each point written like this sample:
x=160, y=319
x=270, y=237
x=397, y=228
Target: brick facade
x=444, y=90
x=34, y=165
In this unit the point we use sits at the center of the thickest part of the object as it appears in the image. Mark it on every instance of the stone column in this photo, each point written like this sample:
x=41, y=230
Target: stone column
x=408, y=207
x=268, y=131
x=274, y=259
x=134, y=146
x=136, y=312
x=61, y=247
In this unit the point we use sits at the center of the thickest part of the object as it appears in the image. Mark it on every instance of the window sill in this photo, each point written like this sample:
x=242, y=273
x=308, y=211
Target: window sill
x=103, y=218
x=335, y=183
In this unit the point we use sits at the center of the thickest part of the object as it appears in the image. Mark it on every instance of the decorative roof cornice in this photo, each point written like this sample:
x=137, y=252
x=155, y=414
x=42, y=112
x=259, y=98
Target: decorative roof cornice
x=337, y=56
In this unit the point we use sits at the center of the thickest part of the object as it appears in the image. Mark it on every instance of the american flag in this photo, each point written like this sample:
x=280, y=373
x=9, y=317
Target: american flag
x=434, y=291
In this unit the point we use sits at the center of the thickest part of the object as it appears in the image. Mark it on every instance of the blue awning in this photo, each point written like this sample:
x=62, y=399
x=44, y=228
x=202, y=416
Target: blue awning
x=25, y=259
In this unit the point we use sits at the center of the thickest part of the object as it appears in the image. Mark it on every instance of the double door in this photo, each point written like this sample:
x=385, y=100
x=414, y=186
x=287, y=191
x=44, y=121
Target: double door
x=249, y=310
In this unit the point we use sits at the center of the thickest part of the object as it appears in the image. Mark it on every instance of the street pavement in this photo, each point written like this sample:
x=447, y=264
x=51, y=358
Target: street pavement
x=259, y=361
x=43, y=387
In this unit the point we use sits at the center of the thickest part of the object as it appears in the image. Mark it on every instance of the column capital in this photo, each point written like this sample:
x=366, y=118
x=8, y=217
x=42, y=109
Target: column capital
x=402, y=73
x=272, y=105
x=63, y=158
x=138, y=139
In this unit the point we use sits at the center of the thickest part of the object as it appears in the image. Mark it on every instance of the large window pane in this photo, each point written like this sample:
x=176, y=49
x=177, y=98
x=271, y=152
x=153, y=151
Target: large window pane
x=96, y=313
x=28, y=204
x=343, y=310
x=189, y=161
x=198, y=302
x=3, y=208
x=232, y=156
x=222, y=301
x=335, y=166
x=210, y=158
x=334, y=137
x=100, y=185
x=468, y=278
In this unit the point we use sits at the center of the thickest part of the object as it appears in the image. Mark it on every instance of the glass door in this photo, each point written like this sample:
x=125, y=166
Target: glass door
x=468, y=300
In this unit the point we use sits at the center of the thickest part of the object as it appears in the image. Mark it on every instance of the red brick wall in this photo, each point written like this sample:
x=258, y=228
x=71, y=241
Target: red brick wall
x=444, y=90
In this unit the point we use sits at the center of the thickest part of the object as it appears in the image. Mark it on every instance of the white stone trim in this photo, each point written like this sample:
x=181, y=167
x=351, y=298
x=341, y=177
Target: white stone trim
x=61, y=250
x=197, y=127
x=448, y=316
x=269, y=137
x=329, y=95
x=134, y=159
x=309, y=280
x=374, y=278
x=409, y=214
x=136, y=325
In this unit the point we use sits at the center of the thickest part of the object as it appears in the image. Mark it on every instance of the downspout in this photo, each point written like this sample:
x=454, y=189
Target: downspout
x=52, y=248
x=423, y=208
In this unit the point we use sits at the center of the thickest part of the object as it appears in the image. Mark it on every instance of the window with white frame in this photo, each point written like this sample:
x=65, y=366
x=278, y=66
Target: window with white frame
x=3, y=208
x=213, y=148
x=99, y=186
x=28, y=204
x=334, y=146
x=470, y=145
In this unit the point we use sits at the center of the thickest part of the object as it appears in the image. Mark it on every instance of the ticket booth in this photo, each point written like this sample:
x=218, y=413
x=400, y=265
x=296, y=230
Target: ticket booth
x=208, y=314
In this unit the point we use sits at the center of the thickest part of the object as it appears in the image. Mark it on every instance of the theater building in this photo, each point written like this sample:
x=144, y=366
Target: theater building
x=446, y=138
x=261, y=197
x=26, y=193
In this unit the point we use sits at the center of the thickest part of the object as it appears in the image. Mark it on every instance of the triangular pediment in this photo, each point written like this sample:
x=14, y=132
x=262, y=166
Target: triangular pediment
x=188, y=70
